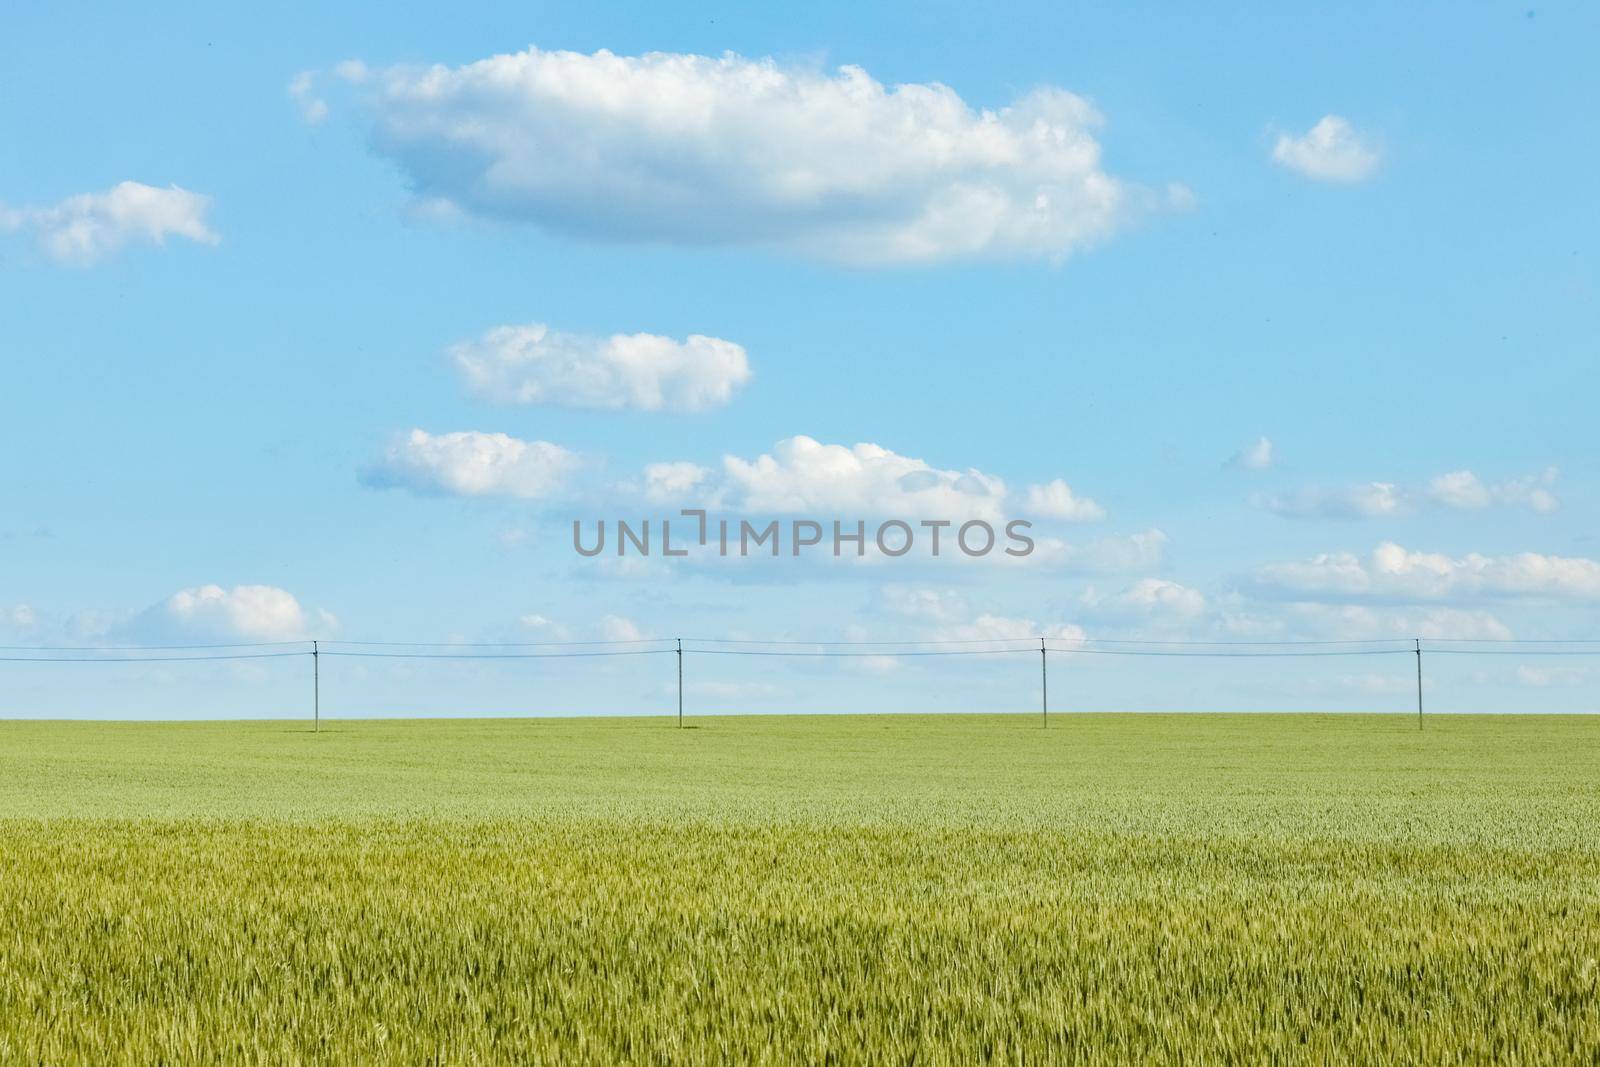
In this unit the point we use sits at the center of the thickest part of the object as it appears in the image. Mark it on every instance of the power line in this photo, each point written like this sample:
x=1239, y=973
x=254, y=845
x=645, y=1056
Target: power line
x=494, y=644
x=496, y=655
x=148, y=648
x=1229, y=655
x=761, y=641
x=1511, y=651
x=812, y=649
x=148, y=659
x=847, y=655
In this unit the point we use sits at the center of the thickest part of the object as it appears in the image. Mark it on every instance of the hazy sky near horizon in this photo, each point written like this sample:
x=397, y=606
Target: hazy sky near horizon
x=330, y=322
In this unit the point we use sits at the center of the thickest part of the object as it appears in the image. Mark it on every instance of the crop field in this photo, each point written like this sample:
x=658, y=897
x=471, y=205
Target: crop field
x=930, y=889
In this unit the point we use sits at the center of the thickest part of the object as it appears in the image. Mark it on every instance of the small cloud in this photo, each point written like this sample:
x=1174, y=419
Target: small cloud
x=1465, y=491
x=244, y=612
x=1552, y=677
x=804, y=475
x=617, y=628
x=1148, y=598
x=1256, y=456
x=1373, y=500
x=84, y=229
x=470, y=463
x=1392, y=572
x=932, y=605
x=302, y=90
x=1056, y=500
x=533, y=364
x=666, y=483
x=1457, y=491
x=1331, y=151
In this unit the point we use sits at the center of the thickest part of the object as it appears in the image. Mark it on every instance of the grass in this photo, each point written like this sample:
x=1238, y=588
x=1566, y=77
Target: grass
x=830, y=889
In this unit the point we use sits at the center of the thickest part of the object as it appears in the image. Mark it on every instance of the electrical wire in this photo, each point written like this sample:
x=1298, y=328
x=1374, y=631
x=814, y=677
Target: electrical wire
x=147, y=659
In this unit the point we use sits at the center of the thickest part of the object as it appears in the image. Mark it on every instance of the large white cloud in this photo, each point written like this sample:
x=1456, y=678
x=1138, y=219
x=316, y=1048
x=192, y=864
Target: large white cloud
x=85, y=228
x=1331, y=151
x=704, y=150
x=1394, y=572
x=470, y=463
x=533, y=364
x=248, y=612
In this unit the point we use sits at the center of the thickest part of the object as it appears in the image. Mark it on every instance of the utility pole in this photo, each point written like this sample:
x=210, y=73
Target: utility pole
x=680, y=683
x=1044, y=688
x=316, y=689
x=1419, y=682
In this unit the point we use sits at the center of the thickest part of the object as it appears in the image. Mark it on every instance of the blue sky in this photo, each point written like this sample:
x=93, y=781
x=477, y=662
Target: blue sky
x=1119, y=248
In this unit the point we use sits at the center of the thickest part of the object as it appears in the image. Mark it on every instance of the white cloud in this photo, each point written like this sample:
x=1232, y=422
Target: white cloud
x=1148, y=598
x=248, y=612
x=998, y=628
x=802, y=475
x=85, y=228
x=1459, y=491
x=22, y=616
x=673, y=482
x=303, y=91
x=533, y=364
x=1359, y=622
x=537, y=623
x=1373, y=500
x=606, y=628
x=703, y=150
x=1464, y=491
x=1367, y=684
x=1256, y=456
x=617, y=628
x=1393, y=572
x=936, y=605
x=1142, y=551
x=472, y=464
x=732, y=691
x=1331, y=151
x=1056, y=500
x=1554, y=677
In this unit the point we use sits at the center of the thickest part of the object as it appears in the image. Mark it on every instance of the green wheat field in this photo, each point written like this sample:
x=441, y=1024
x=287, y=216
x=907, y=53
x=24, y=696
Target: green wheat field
x=928, y=889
